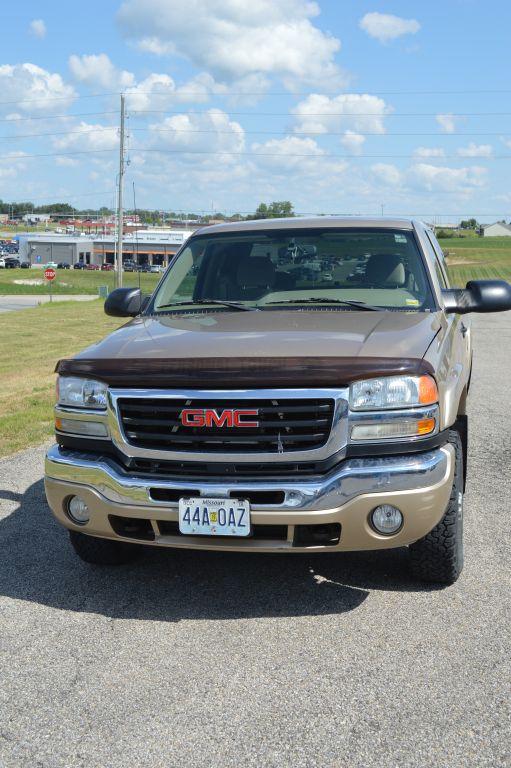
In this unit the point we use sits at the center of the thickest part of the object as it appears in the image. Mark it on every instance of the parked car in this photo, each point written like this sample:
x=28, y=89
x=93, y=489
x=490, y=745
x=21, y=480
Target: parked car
x=50, y=264
x=79, y=265
x=155, y=268
x=2, y=262
x=92, y=267
x=11, y=262
x=25, y=265
x=107, y=267
x=143, y=268
x=129, y=266
x=63, y=265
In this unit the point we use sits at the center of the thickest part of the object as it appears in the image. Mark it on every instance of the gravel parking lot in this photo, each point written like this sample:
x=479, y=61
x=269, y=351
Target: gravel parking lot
x=207, y=659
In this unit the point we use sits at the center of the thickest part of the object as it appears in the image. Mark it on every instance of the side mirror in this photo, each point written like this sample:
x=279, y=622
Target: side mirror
x=478, y=296
x=125, y=302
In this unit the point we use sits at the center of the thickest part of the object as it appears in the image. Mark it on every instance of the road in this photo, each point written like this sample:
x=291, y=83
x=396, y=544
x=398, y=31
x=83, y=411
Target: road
x=204, y=660
x=22, y=301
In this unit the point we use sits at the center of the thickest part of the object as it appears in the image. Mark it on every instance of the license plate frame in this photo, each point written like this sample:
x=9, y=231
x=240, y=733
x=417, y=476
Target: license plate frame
x=214, y=516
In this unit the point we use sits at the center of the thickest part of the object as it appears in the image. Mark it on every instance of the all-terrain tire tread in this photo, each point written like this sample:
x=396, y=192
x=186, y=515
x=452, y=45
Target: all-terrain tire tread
x=438, y=557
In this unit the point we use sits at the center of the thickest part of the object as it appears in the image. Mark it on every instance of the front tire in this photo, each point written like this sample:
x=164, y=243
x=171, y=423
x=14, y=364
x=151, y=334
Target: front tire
x=90, y=549
x=438, y=557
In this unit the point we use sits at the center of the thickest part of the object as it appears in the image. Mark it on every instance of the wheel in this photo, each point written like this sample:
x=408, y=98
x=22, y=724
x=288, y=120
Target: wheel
x=438, y=557
x=102, y=551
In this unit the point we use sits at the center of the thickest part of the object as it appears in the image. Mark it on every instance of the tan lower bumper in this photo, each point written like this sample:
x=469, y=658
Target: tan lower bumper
x=422, y=509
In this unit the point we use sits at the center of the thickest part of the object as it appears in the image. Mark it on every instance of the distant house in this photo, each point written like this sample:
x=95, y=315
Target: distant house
x=499, y=229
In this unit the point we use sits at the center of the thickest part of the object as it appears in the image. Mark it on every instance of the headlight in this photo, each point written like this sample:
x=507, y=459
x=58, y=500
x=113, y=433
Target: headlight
x=393, y=392
x=81, y=393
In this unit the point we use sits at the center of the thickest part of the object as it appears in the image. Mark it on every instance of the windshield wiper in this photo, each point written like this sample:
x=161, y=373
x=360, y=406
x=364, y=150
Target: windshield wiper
x=217, y=302
x=324, y=300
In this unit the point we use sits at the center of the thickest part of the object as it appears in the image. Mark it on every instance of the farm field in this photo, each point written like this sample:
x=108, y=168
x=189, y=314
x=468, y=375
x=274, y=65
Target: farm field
x=475, y=258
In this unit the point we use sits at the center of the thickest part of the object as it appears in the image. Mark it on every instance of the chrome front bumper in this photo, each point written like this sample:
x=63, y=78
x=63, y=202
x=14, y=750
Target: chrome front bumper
x=419, y=484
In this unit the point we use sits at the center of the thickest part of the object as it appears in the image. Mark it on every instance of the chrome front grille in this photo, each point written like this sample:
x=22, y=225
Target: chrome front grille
x=284, y=424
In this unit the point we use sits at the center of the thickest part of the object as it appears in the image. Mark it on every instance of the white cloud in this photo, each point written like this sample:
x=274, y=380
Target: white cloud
x=37, y=28
x=353, y=141
x=350, y=111
x=211, y=131
x=385, y=27
x=429, y=152
x=88, y=136
x=34, y=88
x=97, y=71
x=387, y=173
x=436, y=178
x=288, y=153
x=447, y=123
x=67, y=162
x=7, y=173
x=159, y=91
x=476, y=150
x=234, y=39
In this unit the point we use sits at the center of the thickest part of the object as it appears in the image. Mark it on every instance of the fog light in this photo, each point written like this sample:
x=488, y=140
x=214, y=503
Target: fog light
x=386, y=519
x=78, y=510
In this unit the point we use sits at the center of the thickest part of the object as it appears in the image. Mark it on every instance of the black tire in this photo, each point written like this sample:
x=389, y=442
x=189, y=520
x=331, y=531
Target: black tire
x=438, y=557
x=90, y=549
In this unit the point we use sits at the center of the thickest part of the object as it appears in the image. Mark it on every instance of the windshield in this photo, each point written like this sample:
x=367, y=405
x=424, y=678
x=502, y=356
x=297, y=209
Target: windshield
x=264, y=269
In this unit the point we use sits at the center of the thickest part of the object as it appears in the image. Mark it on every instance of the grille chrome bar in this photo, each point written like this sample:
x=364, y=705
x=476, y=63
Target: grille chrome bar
x=308, y=442
x=148, y=427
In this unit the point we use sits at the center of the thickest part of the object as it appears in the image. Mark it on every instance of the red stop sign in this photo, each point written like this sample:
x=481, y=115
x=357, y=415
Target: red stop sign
x=50, y=273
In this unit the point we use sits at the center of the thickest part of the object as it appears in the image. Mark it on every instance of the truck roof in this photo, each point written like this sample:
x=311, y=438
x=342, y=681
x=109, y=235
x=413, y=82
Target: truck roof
x=310, y=222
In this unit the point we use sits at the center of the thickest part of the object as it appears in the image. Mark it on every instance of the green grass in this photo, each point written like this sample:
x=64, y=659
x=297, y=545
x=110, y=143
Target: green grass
x=31, y=342
x=70, y=281
x=478, y=258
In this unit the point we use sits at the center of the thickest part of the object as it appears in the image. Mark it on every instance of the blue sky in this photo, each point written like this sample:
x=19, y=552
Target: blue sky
x=341, y=107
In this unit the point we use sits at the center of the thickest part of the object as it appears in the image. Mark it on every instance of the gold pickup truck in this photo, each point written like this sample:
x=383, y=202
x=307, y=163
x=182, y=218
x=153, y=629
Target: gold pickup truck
x=294, y=385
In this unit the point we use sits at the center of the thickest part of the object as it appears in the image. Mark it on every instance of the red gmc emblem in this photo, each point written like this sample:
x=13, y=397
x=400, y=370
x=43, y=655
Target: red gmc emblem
x=209, y=417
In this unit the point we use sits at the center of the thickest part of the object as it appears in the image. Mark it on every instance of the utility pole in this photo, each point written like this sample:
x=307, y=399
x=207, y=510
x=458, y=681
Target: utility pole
x=120, y=221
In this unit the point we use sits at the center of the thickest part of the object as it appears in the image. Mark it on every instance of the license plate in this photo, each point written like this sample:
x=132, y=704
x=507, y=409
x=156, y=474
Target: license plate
x=214, y=517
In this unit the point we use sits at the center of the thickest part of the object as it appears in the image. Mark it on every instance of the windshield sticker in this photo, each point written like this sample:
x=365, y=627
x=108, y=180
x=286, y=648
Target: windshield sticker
x=400, y=238
x=412, y=302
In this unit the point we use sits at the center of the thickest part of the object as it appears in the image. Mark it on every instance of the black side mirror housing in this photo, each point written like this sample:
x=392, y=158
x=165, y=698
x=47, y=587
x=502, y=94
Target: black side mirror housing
x=125, y=302
x=478, y=296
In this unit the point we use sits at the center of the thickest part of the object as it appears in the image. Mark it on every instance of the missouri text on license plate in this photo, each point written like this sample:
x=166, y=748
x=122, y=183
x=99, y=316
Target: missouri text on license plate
x=214, y=517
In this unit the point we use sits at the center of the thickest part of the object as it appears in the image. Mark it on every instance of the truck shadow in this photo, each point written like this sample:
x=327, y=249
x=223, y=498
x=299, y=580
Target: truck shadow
x=38, y=565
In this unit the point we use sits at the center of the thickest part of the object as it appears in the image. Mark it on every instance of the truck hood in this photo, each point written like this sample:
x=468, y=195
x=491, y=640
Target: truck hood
x=275, y=334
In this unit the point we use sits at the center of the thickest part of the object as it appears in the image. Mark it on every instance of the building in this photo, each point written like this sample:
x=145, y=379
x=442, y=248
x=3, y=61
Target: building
x=147, y=246
x=41, y=249
x=499, y=229
x=36, y=218
x=153, y=247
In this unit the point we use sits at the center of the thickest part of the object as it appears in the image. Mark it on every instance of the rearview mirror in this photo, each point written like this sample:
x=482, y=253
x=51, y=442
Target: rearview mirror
x=478, y=296
x=125, y=302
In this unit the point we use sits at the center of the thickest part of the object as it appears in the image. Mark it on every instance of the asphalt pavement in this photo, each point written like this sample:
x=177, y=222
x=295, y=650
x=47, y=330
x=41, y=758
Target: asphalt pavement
x=210, y=659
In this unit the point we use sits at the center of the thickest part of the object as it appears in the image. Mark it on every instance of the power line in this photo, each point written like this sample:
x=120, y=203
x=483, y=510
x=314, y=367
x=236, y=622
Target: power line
x=56, y=154
x=325, y=114
x=56, y=117
x=227, y=94
x=283, y=156
x=101, y=129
